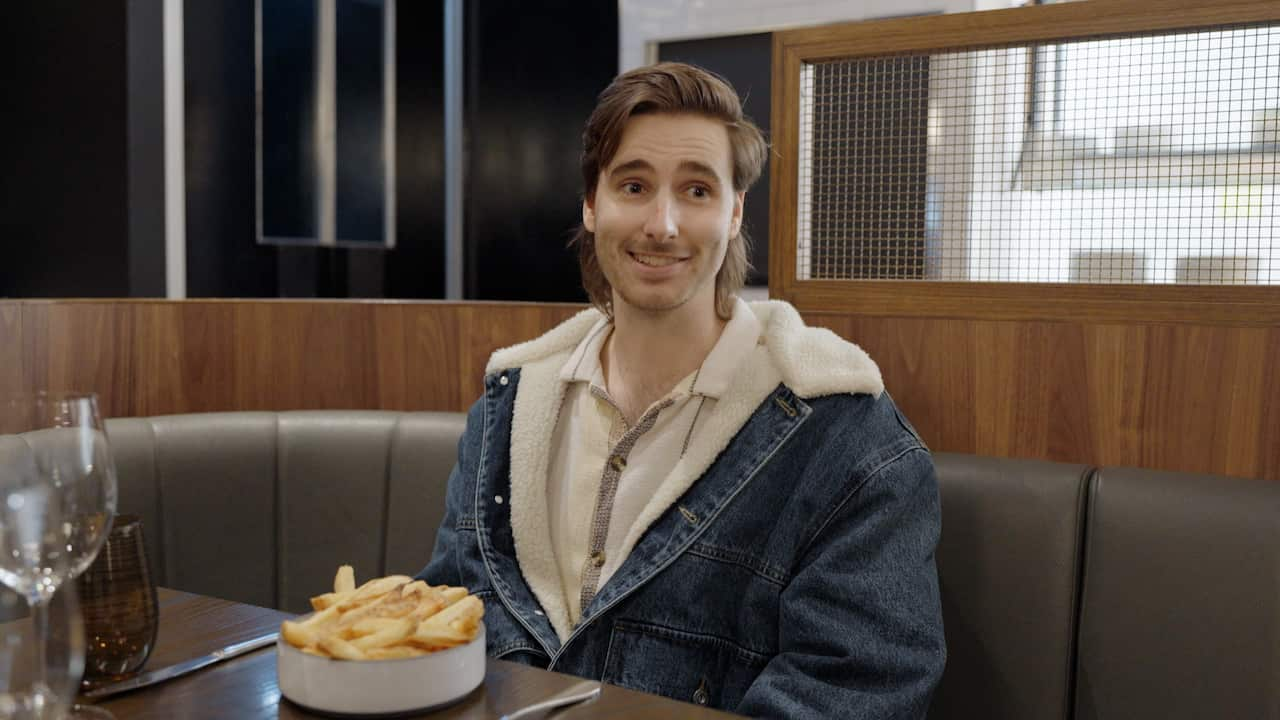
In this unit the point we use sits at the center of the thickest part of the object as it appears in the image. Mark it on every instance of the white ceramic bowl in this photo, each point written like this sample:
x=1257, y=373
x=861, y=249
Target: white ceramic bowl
x=375, y=687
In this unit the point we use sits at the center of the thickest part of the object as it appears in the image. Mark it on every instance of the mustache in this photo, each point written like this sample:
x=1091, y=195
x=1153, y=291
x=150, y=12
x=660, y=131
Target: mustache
x=667, y=250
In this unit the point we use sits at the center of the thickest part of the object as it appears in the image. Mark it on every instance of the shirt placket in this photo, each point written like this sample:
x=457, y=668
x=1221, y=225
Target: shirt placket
x=609, y=480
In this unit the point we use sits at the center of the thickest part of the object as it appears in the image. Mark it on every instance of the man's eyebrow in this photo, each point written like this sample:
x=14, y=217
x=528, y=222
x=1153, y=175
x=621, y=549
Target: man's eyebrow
x=689, y=166
x=631, y=166
x=698, y=168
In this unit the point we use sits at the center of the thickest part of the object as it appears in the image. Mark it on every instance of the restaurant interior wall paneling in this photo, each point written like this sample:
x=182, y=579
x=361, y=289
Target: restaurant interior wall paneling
x=161, y=357
x=533, y=71
x=1185, y=397
x=65, y=226
x=1188, y=397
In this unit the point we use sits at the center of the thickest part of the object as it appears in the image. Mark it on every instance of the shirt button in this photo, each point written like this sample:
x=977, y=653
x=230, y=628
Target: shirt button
x=497, y=499
x=617, y=462
x=503, y=380
x=597, y=558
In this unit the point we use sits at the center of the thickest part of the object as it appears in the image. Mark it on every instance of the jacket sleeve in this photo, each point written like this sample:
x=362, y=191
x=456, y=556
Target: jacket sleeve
x=861, y=620
x=443, y=568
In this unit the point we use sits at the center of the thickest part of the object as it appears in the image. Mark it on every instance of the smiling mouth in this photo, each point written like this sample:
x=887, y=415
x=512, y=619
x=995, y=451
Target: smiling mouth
x=655, y=260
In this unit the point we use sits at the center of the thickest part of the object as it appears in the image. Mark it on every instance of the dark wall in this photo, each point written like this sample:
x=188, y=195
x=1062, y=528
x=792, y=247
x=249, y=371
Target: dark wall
x=533, y=73
x=223, y=257
x=218, y=63
x=416, y=268
x=84, y=186
x=64, y=219
x=746, y=61
x=145, y=148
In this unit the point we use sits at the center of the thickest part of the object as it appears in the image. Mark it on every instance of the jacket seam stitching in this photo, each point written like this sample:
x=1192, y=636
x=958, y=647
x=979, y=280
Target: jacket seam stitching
x=839, y=507
x=495, y=579
x=512, y=647
x=765, y=571
x=657, y=630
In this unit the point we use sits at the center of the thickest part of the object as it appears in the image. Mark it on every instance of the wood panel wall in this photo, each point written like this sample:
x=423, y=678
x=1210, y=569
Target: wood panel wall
x=1195, y=398
x=162, y=357
x=1199, y=398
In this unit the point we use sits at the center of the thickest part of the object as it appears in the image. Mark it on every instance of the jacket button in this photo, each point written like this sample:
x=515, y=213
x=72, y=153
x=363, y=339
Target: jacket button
x=503, y=380
x=597, y=558
x=617, y=462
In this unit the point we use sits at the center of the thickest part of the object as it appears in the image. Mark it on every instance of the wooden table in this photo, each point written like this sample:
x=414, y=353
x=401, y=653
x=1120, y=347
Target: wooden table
x=245, y=687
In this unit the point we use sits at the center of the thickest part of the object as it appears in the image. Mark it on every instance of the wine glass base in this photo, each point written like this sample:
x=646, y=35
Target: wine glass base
x=88, y=712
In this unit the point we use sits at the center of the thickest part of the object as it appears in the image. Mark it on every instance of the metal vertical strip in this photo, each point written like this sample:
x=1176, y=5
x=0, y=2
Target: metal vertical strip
x=389, y=122
x=175, y=165
x=326, y=118
x=454, y=151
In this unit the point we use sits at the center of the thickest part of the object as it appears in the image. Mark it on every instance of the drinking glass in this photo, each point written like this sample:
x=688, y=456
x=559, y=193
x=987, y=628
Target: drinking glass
x=57, y=500
x=118, y=602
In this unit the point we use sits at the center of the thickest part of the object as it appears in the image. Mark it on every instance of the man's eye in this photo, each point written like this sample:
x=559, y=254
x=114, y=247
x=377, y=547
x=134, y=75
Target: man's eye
x=699, y=191
x=632, y=188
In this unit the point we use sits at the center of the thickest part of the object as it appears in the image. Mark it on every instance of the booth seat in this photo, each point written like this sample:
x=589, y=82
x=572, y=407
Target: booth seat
x=1068, y=591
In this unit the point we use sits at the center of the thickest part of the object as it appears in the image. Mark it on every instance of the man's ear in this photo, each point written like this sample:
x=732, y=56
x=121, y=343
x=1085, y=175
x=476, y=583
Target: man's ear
x=588, y=215
x=735, y=221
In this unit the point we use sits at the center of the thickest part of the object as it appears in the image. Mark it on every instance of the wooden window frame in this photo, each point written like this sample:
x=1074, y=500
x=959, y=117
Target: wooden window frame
x=1241, y=305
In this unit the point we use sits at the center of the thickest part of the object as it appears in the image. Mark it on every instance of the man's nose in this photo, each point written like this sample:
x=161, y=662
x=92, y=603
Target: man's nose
x=662, y=221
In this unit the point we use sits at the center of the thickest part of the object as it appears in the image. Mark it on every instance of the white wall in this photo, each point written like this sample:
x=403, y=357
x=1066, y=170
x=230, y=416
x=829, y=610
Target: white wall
x=644, y=23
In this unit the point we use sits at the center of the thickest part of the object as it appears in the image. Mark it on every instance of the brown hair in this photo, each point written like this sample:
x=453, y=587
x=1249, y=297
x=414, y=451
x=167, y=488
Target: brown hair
x=672, y=88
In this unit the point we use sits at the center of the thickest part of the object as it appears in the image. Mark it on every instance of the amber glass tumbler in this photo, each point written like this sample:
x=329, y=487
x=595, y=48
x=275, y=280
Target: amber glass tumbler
x=118, y=600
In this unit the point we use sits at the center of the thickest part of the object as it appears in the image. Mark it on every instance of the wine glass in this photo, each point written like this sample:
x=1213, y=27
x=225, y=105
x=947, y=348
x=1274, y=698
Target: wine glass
x=38, y=679
x=57, y=501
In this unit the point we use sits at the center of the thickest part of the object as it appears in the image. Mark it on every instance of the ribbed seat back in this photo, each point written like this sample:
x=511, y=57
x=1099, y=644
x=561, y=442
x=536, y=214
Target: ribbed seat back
x=262, y=507
x=1008, y=565
x=1180, y=613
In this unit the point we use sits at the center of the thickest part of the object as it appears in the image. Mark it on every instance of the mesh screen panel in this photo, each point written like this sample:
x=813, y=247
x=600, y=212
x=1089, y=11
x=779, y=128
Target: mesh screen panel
x=1147, y=159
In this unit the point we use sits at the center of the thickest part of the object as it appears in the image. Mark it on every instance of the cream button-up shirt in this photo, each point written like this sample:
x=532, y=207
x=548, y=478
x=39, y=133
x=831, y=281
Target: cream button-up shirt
x=603, y=472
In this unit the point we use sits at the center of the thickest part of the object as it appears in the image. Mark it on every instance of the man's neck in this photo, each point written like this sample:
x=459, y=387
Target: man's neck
x=648, y=353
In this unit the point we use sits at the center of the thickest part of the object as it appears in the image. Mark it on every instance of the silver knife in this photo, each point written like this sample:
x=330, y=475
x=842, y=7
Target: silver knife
x=151, y=677
x=581, y=692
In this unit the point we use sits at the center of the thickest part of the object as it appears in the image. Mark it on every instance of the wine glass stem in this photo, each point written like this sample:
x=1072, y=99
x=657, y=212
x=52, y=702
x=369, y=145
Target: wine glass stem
x=39, y=605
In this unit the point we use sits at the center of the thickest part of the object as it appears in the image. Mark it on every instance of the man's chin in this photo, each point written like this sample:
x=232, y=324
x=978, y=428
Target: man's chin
x=654, y=304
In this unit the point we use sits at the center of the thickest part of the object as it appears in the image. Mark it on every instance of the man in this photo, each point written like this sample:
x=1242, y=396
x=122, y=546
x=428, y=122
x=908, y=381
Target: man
x=679, y=492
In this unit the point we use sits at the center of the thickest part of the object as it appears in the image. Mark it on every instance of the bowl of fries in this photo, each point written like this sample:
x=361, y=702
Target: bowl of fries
x=391, y=645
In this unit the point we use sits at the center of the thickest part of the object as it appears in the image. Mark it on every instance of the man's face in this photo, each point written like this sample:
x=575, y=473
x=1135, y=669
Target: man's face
x=664, y=211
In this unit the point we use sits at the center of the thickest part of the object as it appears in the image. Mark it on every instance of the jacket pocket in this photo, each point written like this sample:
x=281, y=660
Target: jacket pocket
x=688, y=666
x=504, y=637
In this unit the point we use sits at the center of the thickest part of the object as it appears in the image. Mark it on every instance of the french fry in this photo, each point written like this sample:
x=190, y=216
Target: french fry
x=338, y=648
x=380, y=586
x=389, y=635
x=452, y=594
x=438, y=637
x=298, y=635
x=345, y=580
x=368, y=626
x=398, y=652
x=470, y=606
x=386, y=618
x=323, y=617
x=327, y=600
x=417, y=587
x=388, y=605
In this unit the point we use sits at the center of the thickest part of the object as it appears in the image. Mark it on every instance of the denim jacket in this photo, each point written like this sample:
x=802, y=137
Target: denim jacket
x=791, y=576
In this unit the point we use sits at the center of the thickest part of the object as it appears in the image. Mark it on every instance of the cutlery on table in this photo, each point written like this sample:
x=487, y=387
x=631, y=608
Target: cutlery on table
x=151, y=677
x=582, y=692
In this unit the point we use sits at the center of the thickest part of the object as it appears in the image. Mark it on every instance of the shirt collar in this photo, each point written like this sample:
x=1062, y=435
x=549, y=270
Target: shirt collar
x=713, y=379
